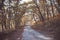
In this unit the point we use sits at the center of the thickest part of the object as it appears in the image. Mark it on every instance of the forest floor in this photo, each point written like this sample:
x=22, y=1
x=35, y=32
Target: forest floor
x=14, y=35
x=50, y=28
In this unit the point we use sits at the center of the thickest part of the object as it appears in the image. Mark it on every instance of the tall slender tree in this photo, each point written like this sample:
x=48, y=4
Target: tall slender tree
x=42, y=18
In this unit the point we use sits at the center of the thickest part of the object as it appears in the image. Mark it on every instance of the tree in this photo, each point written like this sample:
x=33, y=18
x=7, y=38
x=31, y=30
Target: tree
x=1, y=4
x=42, y=18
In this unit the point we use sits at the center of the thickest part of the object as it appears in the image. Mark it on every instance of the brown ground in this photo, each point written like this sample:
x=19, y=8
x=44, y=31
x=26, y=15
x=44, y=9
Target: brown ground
x=50, y=28
x=14, y=35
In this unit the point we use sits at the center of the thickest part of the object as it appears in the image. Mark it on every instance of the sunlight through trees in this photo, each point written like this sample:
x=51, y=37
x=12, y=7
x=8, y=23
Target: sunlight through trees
x=13, y=14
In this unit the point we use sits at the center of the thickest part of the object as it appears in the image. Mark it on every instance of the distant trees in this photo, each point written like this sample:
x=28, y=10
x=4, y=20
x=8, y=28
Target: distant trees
x=1, y=3
x=58, y=2
x=58, y=6
x=12, y=11
x=11, y=15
